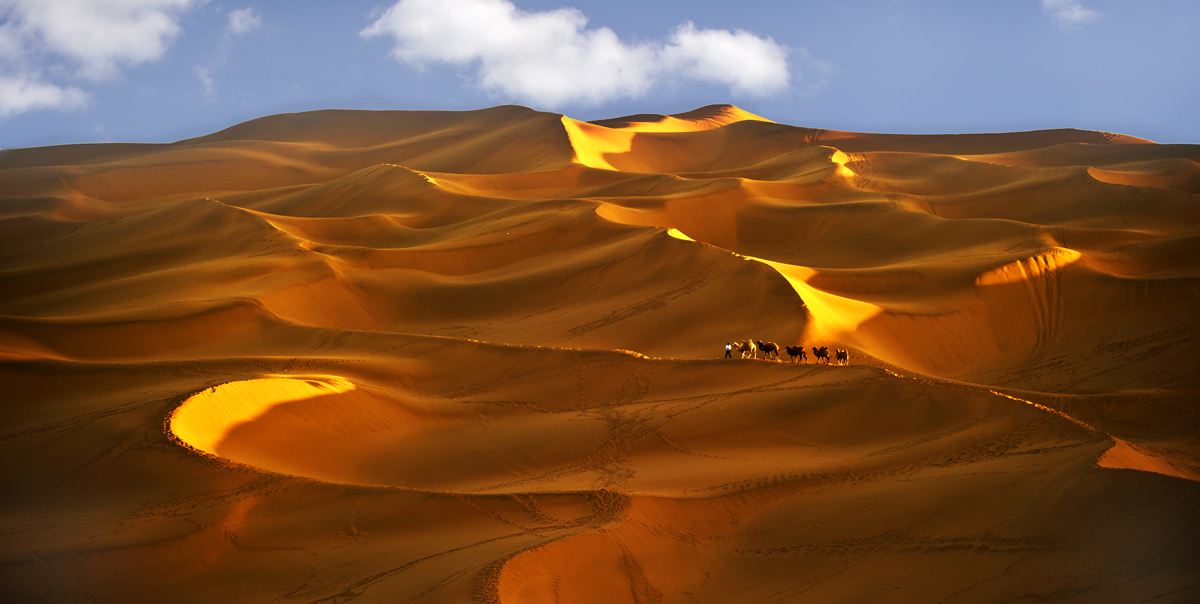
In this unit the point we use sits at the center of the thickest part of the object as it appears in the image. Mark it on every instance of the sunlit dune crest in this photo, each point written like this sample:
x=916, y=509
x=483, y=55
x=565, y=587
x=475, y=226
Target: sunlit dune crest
x=593, y=141
x=831, y=317
x=1031, y=267
x=704, y=118
x=1124, y=455
x=841, y=159
x=678, y=234
x=480, y=356
x=204, y=419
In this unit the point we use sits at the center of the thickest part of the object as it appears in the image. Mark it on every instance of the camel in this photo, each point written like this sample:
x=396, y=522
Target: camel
x=843, y=357
x=796, y=352
x=746, y=348
x=770, y=349
x=821, y=353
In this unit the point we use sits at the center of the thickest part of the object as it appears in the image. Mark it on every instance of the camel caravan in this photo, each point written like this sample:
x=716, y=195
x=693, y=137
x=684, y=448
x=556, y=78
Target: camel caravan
x=770, y=350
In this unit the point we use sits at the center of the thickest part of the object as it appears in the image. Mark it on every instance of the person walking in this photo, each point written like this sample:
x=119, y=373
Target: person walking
x=728, y=350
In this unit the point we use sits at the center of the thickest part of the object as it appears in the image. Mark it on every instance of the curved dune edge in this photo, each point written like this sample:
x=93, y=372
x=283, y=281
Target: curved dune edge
x=833, y=317
x=1128, y=456
x=841, y=158
x=323, y=428
x=1122, y=455
x=207, y=417
x=703, y=118
x=1027, y=269
x=1169, y=174
x=591, y=142
x=205, y=420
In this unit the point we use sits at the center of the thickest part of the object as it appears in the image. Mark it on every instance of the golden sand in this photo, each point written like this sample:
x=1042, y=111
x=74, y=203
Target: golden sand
x=476, y=356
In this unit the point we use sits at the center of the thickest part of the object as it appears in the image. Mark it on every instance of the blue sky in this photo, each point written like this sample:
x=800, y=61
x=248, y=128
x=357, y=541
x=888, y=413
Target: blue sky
x=161, y=70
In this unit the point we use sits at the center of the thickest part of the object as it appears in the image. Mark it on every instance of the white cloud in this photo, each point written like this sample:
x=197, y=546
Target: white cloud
x=99, y=36
x=77, y=39
x=206, y=81
x=748, y=64
x=1069, y=13
x=21, y=93
x=552, y=57
x=10, y=42
x=244, y=21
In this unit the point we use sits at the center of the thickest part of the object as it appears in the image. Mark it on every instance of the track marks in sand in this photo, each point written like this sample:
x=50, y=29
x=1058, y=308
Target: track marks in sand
x=1120, y=455
x=897, y=542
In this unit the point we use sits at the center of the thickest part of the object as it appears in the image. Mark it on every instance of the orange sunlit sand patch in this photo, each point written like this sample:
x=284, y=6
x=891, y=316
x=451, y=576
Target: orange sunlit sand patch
x=1025, y=269
x=833, y=317
x=594, y=143
x=207, y=417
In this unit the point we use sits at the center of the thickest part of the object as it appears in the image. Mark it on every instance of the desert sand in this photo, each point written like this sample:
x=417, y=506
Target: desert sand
x=389, y=356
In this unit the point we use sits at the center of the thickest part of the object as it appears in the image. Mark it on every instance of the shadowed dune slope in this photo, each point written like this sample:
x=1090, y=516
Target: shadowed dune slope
x=475, y=356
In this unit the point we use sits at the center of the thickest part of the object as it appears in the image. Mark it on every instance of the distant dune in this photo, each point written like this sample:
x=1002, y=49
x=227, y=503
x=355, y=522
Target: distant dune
x=440, y=356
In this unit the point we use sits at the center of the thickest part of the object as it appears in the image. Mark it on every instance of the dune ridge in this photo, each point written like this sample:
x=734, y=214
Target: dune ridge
x=452, y=356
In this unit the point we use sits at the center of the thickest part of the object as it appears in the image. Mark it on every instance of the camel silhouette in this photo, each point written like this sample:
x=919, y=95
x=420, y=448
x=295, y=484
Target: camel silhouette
x=746, y=348
x=821, y=353
x=843, y=357
x=796, y=352
x=770, y=349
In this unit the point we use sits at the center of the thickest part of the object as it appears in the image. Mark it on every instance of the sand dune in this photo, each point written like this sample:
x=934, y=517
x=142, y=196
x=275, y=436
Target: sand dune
x=475, y=356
